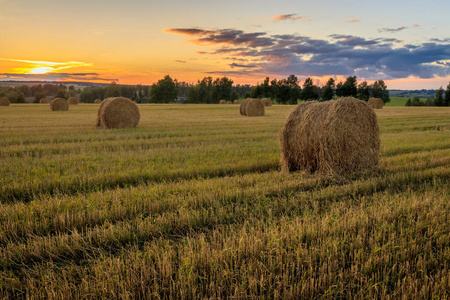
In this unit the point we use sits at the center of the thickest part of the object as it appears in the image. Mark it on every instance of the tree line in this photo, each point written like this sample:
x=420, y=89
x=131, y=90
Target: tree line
x=440, y=99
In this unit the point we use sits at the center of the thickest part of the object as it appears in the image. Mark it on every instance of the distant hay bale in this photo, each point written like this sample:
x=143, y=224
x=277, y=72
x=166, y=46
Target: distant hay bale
x=254, y=108
x=72, y=101
x=338, y=136
x=376, y=103
x=97, y=101
x=59, y=104
x=236, y=102
x=229, y=102
x=266, y=101
x=43, y=101
x=4, y=101
x=118, y=112
x=243, y=105
x=222, y=102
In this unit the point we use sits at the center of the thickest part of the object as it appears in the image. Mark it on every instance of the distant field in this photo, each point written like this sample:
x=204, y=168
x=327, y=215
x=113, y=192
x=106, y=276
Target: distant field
x=192, y=204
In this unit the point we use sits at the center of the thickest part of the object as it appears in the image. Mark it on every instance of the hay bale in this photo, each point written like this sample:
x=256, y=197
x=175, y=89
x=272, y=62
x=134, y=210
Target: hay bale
x=222, y=102
x=243, y=105
x=97, y=101
x=254, y=108
x=72, y=101
x=337, y=136
x=43, y=101
x=229, y=102
x=118, y=112
x=266, y=101
x=376, y=103
x=236, y=102
x=4, y=101
x=59, y=104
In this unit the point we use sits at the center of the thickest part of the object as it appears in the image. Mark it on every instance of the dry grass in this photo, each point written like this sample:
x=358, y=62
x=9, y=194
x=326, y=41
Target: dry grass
x=118, y=112
x=254, y=108
x=376, y=103
x=222, y=102
x=338, y=136
x=243, y=105
x=59, y=104
x=4, y=101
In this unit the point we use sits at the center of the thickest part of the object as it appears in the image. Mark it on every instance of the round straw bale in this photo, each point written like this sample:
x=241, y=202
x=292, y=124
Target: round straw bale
x=229, y=102
x=72, y=101
x=118, y=112
x=59, y=104
x=376, y=103
x=97, y=101
x=337, y=136
x=236, y=102
x=43, y=101
x=243, y=105
x=4, y=101
x=254, y=108
x=266, y=101
x=223, y=102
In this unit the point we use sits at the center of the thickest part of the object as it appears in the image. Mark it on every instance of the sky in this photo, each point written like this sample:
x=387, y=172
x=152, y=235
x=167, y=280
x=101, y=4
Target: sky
x=404, y=43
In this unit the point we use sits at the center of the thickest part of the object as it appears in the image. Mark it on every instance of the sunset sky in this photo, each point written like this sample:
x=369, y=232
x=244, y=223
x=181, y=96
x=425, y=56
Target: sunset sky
x=405, y=43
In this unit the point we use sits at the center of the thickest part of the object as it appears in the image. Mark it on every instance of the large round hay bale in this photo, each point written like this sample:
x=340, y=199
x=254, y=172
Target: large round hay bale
x=236, y=102
x=4, y=101
x=72, y=101
x=43, y=101
x=266, y=101
x=223, y=102
x=254, y=108
x=376, y=103
x=243, y=105
x=229, y=102
x=338, y=136
x=118, y=112
x=97, y=101
x=59, y=104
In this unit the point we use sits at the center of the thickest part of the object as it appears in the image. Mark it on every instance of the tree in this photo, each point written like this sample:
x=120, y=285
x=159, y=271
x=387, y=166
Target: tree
x=348, y=88
x=164, y=91
x=223, y=88
x=408, y=103
x=363, y=91
x=416, y=101
x=447, y=95
x=328, y=90
x=439, y=98
x=62, y=93
x=379, y=90
x=309, y=90
x=113, y=90
x=38, y=96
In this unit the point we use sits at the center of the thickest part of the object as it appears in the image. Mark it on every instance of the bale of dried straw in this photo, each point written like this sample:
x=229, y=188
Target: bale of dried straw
x=118, y=112
x=243, y=105
x=338, y=136
x=97, y=101
x=223, y=102
x=72, y=101
x=229, y=102
x=376, y=103
x=236, y=102
x=266, y=101
x=4, y=101
x=59, y=104
x=254, y=108
x=43, y=101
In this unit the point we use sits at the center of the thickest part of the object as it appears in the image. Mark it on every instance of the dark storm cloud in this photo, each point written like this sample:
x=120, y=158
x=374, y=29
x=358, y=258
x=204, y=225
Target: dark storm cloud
x=56, y=76
x=340, y=55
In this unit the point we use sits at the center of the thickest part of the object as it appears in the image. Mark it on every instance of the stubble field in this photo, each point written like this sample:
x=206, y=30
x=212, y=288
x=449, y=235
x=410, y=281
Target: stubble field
x=192, y=204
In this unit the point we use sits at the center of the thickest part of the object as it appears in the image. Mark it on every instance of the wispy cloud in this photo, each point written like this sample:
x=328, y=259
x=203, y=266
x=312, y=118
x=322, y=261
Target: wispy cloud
x=56, y=77
x=392, y=29
x=353, y=21
x=180, y=61
x=341, y=54
x=42, y=67
x=290, y=17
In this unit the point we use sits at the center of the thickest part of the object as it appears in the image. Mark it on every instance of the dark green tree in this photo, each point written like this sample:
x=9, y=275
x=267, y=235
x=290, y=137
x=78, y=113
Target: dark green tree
x=164, y=91
x=447, y=96
x=439, y=98
x=328, y=90
x=349, y=88
x=62, y=93
x=113, y=90
x=408, y=103
x=379, y=90
x=309, y=91
x=38, y=96
x=363, y=91
x=223, y=88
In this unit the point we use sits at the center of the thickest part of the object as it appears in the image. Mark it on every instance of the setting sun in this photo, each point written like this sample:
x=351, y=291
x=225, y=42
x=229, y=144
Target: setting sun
x=40, y=70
